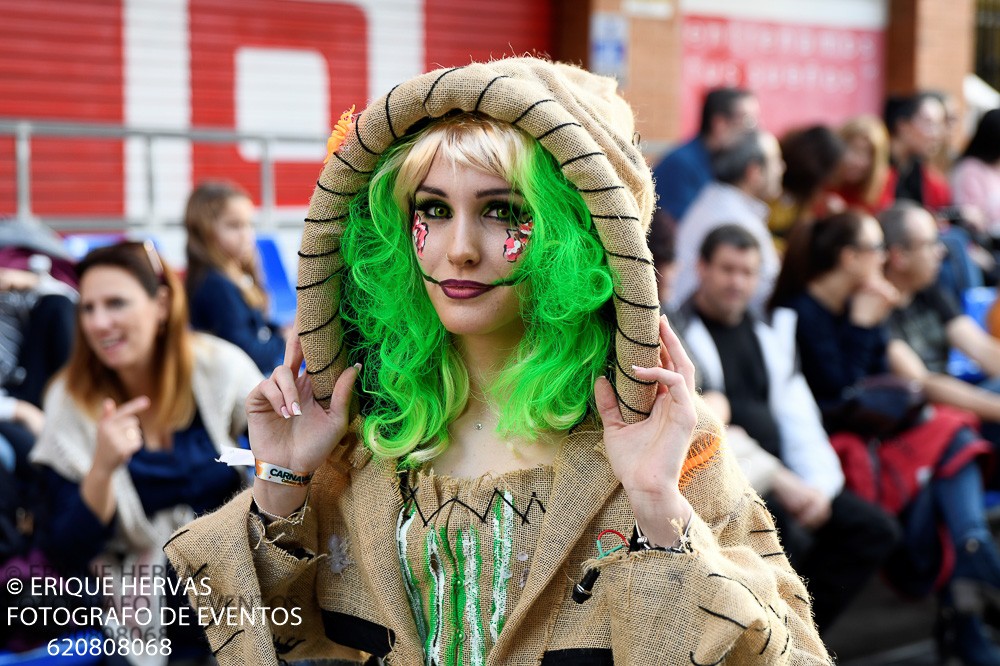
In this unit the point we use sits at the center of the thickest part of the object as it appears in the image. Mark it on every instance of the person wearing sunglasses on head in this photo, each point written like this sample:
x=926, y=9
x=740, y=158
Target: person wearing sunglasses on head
x=134, y=424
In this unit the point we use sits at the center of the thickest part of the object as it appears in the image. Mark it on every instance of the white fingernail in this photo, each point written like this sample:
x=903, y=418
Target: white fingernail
x=357, y=366
x=296, y=409
x=284, y=412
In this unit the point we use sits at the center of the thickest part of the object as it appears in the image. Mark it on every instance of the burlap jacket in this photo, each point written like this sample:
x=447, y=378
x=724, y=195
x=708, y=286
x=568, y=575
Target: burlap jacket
x=732, y=599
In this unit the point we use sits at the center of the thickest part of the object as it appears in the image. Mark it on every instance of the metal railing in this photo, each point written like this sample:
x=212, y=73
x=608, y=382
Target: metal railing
x=24, y=131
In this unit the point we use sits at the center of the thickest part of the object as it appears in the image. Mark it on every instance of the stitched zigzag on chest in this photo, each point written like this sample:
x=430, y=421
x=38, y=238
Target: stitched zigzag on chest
x=411, y=502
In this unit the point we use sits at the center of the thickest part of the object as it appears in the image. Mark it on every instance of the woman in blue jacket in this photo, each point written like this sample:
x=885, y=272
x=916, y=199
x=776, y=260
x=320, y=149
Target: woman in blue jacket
x=223, y=283
x=925, y=472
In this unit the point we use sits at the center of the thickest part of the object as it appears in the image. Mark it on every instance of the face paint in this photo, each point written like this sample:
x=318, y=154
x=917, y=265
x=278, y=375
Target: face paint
x=419, y=234
x=517, y=240
x=468, y=213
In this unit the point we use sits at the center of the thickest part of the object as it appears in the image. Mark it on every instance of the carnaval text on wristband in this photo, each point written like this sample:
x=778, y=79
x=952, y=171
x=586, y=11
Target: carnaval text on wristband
x=282, y=475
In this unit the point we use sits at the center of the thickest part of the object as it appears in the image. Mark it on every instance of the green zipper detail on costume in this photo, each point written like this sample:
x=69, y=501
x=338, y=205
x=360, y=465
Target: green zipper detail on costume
x=469, y=546
x=412, y=591
x=503, y=548
x=435, y=571
x=456, y=651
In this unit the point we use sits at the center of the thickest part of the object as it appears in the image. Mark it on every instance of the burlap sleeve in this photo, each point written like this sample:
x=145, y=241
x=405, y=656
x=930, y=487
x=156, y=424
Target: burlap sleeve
x=733, y=597
x=252, y=585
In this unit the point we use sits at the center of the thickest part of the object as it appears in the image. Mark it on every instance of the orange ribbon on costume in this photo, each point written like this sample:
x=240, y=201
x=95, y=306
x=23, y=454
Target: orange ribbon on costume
x=339, y=133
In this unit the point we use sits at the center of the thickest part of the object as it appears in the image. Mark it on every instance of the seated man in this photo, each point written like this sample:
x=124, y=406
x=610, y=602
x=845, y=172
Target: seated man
x=833, y=538
x=928, y=323
x=748, y=174
x=726, y=114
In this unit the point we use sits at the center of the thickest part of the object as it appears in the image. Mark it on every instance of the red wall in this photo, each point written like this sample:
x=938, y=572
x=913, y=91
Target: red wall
x=338, y=31
x=62, y=60
x=801, y=74
x=456, y=35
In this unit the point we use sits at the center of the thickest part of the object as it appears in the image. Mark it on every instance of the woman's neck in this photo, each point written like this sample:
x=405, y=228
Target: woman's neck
x=485, y=355
x=476, y=448
x=833, y=290
x=137, y=381
x=234, y=271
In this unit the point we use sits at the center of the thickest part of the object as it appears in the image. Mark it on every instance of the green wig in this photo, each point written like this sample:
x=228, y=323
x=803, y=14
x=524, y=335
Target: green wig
x=414, y=381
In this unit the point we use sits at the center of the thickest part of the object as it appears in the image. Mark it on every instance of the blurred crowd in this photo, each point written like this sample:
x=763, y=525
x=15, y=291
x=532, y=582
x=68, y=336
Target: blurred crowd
x=122, y=383
x=835, y=286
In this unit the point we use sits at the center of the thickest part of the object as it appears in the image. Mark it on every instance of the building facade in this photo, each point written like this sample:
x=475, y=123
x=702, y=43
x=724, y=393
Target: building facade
x=276, y=74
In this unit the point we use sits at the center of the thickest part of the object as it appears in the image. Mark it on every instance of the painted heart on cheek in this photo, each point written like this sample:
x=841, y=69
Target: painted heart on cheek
x=517, y=240
x=419, y=234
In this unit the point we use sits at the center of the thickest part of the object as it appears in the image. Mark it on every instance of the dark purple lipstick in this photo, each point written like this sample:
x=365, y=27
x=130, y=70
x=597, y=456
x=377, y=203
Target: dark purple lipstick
x=464, y=288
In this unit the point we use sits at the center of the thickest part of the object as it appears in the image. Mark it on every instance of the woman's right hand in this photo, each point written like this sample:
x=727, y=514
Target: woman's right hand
x=288, y=427
x=118, y=438
x=118, y=434
x=873, y=302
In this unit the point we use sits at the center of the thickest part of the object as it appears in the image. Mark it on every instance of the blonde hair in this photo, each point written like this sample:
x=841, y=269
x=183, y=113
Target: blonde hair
x=204, y=208
x=873, y=131
x=89, y=382
x=467, y=141
x=415, y=381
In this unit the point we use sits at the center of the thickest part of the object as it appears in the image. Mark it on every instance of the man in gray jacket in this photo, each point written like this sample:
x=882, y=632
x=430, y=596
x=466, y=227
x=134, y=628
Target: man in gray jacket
x=833, y=538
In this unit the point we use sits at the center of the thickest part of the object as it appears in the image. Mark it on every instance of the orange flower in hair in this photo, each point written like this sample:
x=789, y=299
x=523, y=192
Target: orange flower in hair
x=339, y=133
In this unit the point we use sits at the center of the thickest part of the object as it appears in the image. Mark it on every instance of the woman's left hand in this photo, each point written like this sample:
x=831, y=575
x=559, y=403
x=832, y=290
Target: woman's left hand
x=29, y=416
x=13, y=279
x=647, y=457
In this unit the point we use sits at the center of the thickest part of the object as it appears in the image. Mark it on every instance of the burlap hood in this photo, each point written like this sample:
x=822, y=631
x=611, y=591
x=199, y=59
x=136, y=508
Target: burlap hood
x=578, y=117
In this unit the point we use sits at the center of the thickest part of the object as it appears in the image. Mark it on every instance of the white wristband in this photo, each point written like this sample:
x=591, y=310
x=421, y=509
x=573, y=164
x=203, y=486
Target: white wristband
x=282, y=475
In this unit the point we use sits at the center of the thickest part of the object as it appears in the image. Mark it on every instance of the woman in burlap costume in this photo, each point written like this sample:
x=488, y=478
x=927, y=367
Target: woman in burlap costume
x=450, y=520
